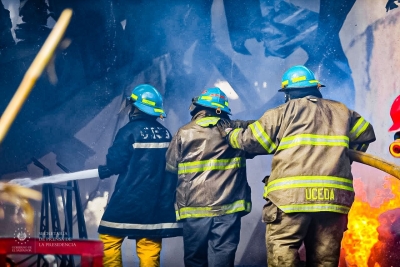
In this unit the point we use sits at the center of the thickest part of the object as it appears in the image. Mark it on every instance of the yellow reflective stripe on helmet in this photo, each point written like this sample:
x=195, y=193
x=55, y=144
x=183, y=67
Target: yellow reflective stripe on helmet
x=206, y=97
x=315, y=208
x=314, y=140
x=262, y=137
x=211, y=165
x=201, y=212
x=313, y=81
x=233, y=138
x=309, y=181
x=148, y=102
x=158, y=110
x=226, y=103
x=285, y=83
x=133, y=96
x=217, y=104
x=207, y=121
x=299, y=79
x=359, y=128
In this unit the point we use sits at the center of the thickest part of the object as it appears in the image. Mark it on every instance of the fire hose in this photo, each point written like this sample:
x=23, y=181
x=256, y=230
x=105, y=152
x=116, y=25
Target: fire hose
x=361, y=157
x=376, y=162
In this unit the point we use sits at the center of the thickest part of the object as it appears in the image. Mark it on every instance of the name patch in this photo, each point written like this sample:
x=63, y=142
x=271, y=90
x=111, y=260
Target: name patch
x=320, y=193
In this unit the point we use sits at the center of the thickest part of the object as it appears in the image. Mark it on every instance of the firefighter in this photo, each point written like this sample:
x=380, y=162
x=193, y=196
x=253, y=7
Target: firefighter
x=212, y=191
x=310, y=189
x=142, y=205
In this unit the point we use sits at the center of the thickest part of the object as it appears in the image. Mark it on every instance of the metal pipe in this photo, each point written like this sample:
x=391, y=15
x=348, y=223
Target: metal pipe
x=34, y=71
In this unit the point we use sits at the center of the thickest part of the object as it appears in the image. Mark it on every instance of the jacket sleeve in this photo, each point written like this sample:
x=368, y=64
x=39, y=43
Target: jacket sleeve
x=259, y=137
x=173, y=154
x=361, y=133
x=120, y=153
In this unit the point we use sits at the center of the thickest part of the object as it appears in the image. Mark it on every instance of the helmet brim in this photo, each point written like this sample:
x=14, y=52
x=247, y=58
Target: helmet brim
x=395, y=127
x=296, y=88
x=205, y=106
x=149, y=110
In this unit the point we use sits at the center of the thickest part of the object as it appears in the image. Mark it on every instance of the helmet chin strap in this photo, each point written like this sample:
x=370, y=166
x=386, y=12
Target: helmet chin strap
x=287, y=97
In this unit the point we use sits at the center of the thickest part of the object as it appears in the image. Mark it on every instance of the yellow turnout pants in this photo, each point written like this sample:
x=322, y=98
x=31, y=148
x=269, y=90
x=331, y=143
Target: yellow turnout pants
x=148, y=251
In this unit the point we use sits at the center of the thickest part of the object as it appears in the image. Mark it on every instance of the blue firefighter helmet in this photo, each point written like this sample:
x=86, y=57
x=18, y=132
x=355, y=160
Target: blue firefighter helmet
x=213, y=98
x=299, y=77
x=147, y=99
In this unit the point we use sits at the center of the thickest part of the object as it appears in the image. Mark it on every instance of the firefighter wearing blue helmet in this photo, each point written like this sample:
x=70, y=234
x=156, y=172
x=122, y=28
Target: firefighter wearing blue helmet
x=310, y=189
x=212, y=192
x=142, y=205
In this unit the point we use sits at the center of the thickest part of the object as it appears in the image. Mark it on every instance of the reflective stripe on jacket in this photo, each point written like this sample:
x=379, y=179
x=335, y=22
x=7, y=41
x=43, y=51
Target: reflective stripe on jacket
x=311, y=169
x=211, y=175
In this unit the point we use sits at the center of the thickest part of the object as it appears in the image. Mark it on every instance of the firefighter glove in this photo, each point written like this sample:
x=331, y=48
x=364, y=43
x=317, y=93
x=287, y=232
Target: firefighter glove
x=225, y=127
x=104, y=172
x=241, y=124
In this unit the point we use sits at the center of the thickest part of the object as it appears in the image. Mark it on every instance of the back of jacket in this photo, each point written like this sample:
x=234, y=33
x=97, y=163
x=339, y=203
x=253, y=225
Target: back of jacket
x=142, y=204
x=310, y=138
x=211, y=175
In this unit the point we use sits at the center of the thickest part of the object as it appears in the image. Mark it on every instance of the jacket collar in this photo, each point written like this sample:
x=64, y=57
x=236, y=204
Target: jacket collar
x=141, y=116
x=208, y=113
x=204, y=113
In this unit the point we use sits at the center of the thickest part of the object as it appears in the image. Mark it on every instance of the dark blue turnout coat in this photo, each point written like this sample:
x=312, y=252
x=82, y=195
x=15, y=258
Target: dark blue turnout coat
x=142, y=204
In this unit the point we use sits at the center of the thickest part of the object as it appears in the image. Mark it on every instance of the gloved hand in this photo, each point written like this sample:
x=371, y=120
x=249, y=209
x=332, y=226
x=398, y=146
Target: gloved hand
x=225, y=127
x=241, y=123
x=104, y=172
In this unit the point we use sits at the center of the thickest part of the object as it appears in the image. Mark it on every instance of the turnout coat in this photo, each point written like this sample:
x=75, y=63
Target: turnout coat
x=212, y=178
x=142, y=204
x=310, y=138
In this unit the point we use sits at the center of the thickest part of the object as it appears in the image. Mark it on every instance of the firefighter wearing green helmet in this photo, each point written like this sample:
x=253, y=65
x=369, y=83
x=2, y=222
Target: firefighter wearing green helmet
x=142, y=205
x=212, y=192
x=310, y=189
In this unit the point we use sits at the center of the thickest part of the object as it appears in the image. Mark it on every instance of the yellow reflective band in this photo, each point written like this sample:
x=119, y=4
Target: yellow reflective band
x=205, y=122
x=359, y=128
x=298, y=79
x=233, y=138
x=201, y=212
x=315, y=208
x=285, y=83
x=205, y=97
x=216, y=104
x=133, y=96
x=314, y=140
x=262, y=137
x=148, y=102
x=226, y=103
x=309, y=181
x=313, y=81
x=158, y=110
x=211, y=165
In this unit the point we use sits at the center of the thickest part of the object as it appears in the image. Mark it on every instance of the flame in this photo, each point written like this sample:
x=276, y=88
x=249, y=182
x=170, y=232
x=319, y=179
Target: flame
x=363, y=221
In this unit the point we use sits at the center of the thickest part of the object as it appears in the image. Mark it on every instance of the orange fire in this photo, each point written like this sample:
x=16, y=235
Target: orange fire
x=362, y=233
